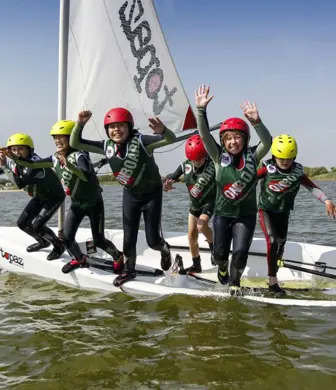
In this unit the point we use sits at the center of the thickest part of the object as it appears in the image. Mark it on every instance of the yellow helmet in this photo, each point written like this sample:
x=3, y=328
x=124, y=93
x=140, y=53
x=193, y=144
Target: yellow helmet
x=20, y=139
x=62, y=128
x=284, y=146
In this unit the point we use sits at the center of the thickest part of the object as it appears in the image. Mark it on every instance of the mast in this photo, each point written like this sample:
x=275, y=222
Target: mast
x=62, y=77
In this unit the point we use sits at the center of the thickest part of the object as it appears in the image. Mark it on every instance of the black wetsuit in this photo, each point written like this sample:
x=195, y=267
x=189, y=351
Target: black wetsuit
x=134, y=167
x=47, y=196
x=81, y=184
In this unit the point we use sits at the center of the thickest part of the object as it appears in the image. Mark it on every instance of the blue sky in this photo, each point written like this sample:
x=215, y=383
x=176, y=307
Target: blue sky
x=280, y=54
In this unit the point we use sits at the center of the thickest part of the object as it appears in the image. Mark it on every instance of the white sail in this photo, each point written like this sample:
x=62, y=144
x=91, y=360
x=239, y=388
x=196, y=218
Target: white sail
x=117, y=56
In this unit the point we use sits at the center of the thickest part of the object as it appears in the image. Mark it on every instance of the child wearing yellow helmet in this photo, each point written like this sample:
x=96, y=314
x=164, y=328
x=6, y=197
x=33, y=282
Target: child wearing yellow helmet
x=281, y=178
x=79, y=180
x=44, y=188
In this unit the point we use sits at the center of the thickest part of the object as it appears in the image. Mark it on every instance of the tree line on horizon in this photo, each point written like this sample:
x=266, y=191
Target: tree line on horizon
x=109, y=178
x=315, y=171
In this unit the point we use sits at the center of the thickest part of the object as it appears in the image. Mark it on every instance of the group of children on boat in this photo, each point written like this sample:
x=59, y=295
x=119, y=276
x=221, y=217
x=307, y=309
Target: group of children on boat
x=221, y=178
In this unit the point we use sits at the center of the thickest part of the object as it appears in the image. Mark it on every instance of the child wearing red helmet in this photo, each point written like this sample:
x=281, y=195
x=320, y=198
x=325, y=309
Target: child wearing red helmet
x=199, y=176
x=236, y=178
x=130, y=156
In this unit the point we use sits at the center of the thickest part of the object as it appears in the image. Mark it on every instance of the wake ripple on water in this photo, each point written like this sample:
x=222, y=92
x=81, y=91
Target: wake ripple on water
x=55, y=337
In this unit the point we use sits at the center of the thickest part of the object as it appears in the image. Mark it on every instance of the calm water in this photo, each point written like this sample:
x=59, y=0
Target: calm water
x=53, y=337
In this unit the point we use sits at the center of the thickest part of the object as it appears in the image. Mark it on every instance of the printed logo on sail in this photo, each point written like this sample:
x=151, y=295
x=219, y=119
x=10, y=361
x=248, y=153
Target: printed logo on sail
x=12, y=259
x=144, y=51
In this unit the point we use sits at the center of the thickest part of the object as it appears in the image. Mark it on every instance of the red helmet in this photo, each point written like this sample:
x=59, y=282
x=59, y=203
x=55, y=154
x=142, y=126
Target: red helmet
x=194, y=148
x=236, y=124
x=118, y=114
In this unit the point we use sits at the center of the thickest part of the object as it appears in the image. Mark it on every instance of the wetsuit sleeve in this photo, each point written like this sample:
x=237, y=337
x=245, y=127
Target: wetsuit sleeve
x=84, y=164
x=314, y=189
x=77, y=142
x=83, y=167
x=42, y=163
x=19, y=178
x=262, y=172
x=26, y=178
x=266, y=141
x=151, y=142
x=101, y=163
x=210, y=144
x=176, y=175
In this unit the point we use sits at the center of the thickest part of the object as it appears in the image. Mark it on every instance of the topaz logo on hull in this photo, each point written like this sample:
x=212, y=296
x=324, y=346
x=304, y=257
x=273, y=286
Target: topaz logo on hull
x=12, y=259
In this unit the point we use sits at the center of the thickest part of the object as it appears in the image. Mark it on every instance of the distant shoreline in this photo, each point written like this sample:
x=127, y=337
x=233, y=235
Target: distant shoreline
x=109, y=179
x=331, y=176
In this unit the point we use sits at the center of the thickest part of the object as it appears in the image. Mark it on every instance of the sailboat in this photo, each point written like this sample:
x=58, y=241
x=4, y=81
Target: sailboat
x=113, y=53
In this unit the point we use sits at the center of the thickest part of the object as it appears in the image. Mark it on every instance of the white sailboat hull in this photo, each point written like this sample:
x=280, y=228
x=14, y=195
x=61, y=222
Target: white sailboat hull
x=15, y=258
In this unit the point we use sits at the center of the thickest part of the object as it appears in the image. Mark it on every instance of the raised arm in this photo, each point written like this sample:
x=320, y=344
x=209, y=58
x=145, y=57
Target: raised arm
x=83, y=168
x=76, y=140
x=210, y=144
x=251, y=113
x=265, y=141
x=202, y=100
x=42, y=163
x=162, y=136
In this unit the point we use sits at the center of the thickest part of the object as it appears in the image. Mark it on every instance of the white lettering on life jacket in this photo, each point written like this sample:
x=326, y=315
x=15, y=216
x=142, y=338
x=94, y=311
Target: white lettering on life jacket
x=202, y=182
x=235, y=191
x=284, y=184
x=125, y=175
x=67, y=175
